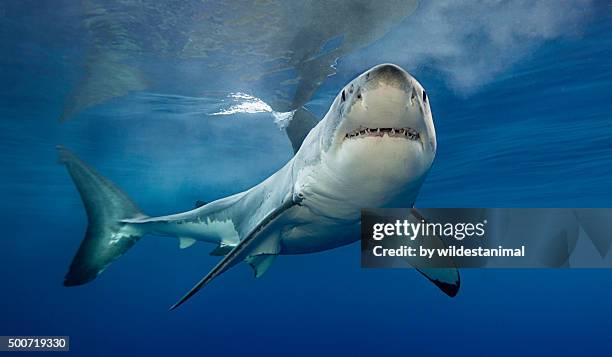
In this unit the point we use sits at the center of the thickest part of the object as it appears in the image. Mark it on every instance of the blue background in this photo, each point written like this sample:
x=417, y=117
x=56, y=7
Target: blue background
x=538, y=134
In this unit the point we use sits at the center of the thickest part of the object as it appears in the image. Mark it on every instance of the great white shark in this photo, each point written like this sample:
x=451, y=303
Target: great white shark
x=373, y=148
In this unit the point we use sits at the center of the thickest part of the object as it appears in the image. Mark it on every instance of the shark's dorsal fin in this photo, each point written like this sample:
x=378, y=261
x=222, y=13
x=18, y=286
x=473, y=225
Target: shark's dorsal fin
x=299, y=126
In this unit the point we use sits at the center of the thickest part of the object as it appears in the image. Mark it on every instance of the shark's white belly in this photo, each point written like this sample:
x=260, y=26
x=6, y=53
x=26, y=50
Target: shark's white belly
x=329, y=214
x=303, y=232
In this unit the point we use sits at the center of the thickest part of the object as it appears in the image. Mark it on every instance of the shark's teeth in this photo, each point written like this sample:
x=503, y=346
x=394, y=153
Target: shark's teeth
x=361, y=132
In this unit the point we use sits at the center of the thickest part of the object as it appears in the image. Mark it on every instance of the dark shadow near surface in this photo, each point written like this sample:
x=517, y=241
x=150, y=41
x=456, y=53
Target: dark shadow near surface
x=280, y=50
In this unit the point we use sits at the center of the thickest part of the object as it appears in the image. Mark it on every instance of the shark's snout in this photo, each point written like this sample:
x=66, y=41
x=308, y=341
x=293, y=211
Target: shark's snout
x=387, y=71
x=388, y=75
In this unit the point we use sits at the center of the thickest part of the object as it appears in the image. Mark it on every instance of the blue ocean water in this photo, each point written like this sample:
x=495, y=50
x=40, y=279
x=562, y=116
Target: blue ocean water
x=536, y=134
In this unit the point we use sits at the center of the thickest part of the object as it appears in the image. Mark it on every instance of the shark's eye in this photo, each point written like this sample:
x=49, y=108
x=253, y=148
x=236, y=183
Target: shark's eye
x=424, y=97
x=343, y=95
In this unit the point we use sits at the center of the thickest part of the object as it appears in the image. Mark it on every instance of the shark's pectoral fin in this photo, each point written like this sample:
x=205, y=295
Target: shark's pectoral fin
x=232, y=258
x=440, y=270
x=260, y=263
x=447, y=279
x=186, y=242
x=253, y=244
x=447, y=276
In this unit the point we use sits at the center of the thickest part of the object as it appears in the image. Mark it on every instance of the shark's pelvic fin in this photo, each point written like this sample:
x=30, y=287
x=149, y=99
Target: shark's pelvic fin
x=106, y=205
x=186, y=242
x=260, y=263
x=299, y=126
x=261, y=257
x=240, y=252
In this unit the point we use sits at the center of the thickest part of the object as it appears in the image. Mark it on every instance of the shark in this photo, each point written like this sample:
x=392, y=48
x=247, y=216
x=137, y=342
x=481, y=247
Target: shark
x=373, y=148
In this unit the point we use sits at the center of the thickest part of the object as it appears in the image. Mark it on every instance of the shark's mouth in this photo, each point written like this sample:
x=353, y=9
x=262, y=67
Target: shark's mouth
x=361, y=132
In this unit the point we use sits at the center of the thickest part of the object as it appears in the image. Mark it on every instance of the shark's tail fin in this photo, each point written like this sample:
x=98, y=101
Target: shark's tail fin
x=106, y=205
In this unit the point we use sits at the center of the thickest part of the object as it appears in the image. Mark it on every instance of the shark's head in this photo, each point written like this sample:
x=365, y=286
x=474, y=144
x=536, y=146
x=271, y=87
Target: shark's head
x=380, y=130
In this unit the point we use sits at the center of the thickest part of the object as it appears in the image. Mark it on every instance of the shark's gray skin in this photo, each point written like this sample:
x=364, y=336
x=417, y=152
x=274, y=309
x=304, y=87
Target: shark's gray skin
x=281, y=51
x=373, y=148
